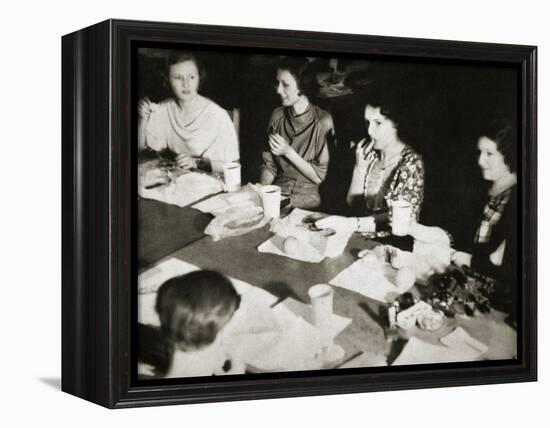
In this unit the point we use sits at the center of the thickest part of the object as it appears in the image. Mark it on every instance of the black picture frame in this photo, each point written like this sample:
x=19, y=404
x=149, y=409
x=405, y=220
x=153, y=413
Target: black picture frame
x=98, y=224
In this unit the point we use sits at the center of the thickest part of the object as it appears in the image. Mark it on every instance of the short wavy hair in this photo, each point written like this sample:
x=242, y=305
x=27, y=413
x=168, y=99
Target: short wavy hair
x=178, y=56
x=193, y=308
x=504, y=135
x=300, y=69
x=397, y=102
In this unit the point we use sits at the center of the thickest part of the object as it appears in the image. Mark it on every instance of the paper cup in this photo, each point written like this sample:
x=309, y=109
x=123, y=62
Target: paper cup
x=271, y=200
x=401, y=217
x=232, y=176
x=321, y=296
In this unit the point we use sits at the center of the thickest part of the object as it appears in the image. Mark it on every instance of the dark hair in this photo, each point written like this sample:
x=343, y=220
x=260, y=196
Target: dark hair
x=398, y=103
x=194, y=307
x=300, y=70
x=176, y=57
x=505, y=137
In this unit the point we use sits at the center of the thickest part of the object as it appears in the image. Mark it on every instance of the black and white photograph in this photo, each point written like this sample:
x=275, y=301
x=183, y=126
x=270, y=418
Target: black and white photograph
x=276, y=214
x=302, y=212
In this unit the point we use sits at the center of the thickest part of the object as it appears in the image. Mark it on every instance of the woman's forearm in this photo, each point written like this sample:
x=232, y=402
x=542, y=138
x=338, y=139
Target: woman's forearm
x=356, y=186
x=266, y=177
x=142, y=135
x=303, y=166
x=341, y=223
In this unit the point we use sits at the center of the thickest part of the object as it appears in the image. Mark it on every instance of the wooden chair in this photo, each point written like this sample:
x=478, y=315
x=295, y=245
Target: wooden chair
x=235, y=116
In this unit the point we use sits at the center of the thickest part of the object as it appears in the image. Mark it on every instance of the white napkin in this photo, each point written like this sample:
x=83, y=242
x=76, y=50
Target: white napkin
x=456, y=346
x=335, y=326
x=371, y=279
x=306, y=253
x=461, y=341
x=278, y=339
x=417, y=351
x=366, y=359
x=296, y=347
x=185, y=190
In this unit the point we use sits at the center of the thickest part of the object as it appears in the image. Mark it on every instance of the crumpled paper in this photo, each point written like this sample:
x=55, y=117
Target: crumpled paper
x=235, y=213
x=236, y=221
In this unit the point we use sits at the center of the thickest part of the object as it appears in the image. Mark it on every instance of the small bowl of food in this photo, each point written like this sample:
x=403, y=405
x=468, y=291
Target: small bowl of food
x=431, y=320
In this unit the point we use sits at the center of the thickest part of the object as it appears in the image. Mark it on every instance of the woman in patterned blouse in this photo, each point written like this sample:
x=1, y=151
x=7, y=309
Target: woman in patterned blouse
x=386, y=170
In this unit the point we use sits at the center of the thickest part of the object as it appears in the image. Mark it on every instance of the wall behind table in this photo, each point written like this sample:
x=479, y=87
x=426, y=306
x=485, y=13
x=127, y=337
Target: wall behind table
x=447, y=106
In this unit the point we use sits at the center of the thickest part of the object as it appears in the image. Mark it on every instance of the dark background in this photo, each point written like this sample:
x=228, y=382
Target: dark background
x=449, y=104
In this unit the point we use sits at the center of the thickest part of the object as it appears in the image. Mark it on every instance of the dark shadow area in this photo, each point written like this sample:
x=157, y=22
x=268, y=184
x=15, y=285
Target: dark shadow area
x=187, y=225
x=282, y=291
x=396, y=347
x=154, y=349
x=404, y=243
x=376, y=313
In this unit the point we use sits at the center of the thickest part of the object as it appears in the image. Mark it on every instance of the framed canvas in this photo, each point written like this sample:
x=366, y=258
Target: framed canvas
x=253, y=213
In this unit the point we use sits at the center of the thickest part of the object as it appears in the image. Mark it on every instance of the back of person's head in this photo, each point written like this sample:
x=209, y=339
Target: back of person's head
x=504, y=134
x=193, y=308
x=300, y=69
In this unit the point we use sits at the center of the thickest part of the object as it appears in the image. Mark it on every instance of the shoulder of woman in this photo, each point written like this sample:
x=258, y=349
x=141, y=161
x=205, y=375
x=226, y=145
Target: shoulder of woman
x=323, y=116
x=410, y=155
x=167, y=102
x=161, y=111
x=165, y=105
x=213, y=108
x=207, y=103
x=277, y=114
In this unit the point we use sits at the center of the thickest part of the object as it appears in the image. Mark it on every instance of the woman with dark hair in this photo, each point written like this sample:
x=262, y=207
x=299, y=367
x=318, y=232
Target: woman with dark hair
x=494, y=253
x=386, y=168
x=195, y=128
x=298, y=135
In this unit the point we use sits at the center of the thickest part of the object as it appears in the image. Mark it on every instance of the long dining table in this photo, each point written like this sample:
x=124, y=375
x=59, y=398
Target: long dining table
x=167, y=231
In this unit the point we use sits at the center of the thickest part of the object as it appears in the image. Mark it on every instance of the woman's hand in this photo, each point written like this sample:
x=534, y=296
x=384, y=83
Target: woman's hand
x=145, y=369
x=185, y=161
x=153, y=177
x=278, y=145
x=145, y=108
x=338, y=223
x=362, y=152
